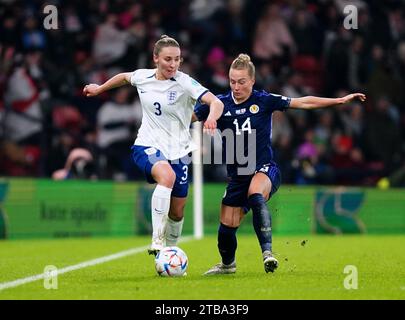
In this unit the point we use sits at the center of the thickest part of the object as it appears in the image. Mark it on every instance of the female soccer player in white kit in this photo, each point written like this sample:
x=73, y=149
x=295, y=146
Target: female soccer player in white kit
x=161, y=149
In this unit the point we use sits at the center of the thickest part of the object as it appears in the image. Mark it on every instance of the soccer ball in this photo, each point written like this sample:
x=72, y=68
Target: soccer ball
x=171, y=262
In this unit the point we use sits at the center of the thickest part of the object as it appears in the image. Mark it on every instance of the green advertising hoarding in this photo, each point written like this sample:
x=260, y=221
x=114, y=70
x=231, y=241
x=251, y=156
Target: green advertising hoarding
x=305, y=209
x=32, y=208
x=3, y=217
x=45, y=208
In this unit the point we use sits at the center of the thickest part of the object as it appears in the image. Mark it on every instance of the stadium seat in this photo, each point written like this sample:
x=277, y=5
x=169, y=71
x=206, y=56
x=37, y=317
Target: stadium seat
x=66, y=117
x=311, y=69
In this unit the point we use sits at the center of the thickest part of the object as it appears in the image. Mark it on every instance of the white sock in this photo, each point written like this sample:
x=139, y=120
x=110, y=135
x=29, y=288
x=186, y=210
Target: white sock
x=160, y=209
x=173, y=231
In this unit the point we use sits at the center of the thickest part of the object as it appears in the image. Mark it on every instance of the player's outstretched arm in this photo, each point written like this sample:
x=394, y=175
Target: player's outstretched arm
x=310, y=102
x=118, y=80
x=216, y=109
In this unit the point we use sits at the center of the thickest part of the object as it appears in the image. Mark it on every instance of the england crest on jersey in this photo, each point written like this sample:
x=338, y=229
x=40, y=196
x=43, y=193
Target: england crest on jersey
x=171, y=97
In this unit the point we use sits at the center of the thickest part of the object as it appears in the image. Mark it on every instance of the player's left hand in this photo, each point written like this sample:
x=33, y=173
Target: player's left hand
x=210, y=126
x=353, y=96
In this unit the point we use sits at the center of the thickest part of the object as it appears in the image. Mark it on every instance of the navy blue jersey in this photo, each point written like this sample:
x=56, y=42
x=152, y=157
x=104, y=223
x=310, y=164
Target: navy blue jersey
x=249, y=126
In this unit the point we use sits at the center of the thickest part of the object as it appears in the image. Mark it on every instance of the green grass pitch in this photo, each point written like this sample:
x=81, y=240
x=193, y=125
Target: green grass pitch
x=311, y=267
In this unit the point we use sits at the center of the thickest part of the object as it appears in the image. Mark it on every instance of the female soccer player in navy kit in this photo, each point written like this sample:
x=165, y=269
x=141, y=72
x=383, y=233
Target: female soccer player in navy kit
x=248, y=113
x=163, y=143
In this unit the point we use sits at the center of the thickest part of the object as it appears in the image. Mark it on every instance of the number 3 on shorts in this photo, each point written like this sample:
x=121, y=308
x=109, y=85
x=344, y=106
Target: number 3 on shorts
x=185, y=176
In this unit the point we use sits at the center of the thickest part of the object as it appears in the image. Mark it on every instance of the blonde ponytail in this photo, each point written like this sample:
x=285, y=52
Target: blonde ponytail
x=243, y=62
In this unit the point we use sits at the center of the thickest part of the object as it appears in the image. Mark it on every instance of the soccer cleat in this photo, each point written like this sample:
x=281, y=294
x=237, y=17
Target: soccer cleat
x=221, y=268
x=153, y=252
x=270, y=263
x=154, y=249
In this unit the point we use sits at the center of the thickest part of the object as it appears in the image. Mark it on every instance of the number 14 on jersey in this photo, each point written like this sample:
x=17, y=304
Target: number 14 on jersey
x=245, y=126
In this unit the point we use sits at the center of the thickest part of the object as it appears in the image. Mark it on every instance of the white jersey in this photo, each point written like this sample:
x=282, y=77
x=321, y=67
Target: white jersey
x=167, y=107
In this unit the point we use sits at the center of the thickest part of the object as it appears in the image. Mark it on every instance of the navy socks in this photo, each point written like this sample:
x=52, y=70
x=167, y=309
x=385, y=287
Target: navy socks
x=261, y=220
x=227, y=243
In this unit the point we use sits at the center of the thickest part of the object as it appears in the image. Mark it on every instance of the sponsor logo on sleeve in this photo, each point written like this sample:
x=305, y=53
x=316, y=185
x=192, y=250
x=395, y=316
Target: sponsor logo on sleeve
x=150, y=151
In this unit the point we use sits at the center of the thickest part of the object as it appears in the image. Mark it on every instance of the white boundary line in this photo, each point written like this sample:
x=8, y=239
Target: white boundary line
x=85, y=264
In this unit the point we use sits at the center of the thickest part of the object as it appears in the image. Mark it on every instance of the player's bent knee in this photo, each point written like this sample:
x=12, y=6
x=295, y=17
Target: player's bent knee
x=262, y=186
x=165, y=176
x=231, y=216
x=231, y=223
x=167, y=181
x=265, y=190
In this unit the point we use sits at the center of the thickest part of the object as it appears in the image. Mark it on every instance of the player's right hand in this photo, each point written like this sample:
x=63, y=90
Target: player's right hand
x=210, y=126
x=91, y=90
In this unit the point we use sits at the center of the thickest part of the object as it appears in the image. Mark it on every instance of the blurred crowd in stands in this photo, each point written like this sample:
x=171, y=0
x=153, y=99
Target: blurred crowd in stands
x=299, y=48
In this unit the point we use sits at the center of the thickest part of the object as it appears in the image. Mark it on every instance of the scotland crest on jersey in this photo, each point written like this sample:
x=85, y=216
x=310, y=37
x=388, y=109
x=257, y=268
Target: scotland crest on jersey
x=171, y=97
x=254, y=108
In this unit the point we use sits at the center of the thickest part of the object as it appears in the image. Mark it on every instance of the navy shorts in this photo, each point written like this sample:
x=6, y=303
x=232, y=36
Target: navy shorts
x=145, y=157
x=236, y=194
